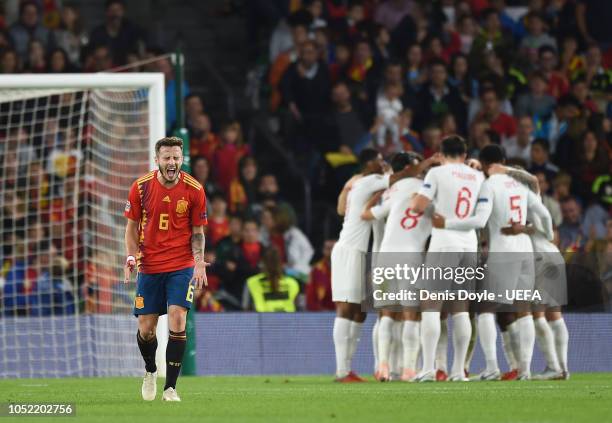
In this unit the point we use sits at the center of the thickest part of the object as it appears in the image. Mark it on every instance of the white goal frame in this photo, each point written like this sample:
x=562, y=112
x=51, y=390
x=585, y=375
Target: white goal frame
x=83, y=81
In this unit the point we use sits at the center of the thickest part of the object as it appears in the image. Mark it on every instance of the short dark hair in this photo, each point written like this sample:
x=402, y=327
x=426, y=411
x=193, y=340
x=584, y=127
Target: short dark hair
x=168, y=142
x=542, y=142
x=437, y=62
x=492, y=153
x=366, y=155
x=109, y=3
x=403, y=159
x=218, y=195
x=453, y=146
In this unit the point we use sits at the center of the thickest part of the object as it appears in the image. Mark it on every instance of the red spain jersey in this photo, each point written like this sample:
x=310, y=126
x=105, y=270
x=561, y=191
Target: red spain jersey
x=165, y=217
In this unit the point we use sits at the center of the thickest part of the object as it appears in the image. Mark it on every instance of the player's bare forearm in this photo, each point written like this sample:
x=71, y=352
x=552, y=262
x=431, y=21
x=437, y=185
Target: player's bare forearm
x=412, y=171
x=419, y=203
x=197, y=243
x=131, y=238
x=197, y=248
x=525, y=177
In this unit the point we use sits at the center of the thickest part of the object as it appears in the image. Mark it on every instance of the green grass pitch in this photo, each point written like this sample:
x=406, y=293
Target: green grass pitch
x=584, y=398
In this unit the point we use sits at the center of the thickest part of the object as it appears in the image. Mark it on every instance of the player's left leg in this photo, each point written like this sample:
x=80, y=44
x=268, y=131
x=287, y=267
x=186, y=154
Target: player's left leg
x=526, y=331
x=180, y=293
x=561, y=335
x=385, y=341
x=462, y=332
x=442, y=350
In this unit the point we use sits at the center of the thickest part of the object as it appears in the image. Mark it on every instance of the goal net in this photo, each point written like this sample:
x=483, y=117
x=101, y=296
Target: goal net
x=70, y=147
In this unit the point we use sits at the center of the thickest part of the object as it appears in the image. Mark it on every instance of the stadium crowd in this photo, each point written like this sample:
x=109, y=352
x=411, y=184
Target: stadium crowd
x=341, y=76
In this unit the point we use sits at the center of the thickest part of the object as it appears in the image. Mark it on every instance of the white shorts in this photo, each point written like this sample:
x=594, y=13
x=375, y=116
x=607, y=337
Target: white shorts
x=550, y=278
x=347, y=274
x=504, y=276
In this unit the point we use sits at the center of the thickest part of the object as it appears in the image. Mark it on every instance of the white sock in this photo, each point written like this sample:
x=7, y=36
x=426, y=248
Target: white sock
x=385, y=335
x=488, y=340
x=507, y=346
x=546, y=342
x=561, y=340
x=395, y=360
x=410, y=343
x=527, y=342
x=442, y=347
x=515, y=342
x=462, y=332
x=430, y=333
x=472, y=344
x=375, y=342
x=342, y=328
x=354, y=336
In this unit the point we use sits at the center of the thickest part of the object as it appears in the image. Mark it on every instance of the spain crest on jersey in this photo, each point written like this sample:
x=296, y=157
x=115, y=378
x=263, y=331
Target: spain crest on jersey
x=181, y=206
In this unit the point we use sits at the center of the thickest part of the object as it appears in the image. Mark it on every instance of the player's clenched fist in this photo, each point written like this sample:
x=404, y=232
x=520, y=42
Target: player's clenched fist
x=130, y=265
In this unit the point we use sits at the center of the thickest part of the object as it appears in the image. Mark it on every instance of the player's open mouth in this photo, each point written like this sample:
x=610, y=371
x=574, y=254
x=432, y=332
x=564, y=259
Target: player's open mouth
x=171, y=172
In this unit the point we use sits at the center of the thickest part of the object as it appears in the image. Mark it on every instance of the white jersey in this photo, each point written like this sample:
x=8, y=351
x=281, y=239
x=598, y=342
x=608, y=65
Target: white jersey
x=453, y=189
x=503, y=201
x=539, y=239
x=405, y=231
x=355, y=231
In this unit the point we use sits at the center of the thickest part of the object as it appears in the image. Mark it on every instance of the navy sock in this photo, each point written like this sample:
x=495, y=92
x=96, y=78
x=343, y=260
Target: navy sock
x=174, y=357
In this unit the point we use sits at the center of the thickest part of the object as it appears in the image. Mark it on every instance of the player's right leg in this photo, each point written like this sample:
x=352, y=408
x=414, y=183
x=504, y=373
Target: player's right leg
x=347, y=292
x=411, y=340
x=430, y=334
x=510, y=343
x=561, y=336
x=546, y=342
x=148, y=305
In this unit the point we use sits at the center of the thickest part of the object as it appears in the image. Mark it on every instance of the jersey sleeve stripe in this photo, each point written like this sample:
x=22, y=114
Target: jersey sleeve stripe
x=197, y=187
x=189, y=178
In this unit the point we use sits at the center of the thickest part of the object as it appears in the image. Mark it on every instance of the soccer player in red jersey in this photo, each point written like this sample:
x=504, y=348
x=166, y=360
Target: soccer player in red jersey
x=164, y=240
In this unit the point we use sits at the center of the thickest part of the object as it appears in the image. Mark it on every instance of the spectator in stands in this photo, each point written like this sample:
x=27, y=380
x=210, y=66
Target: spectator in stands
x=243, y=189
x=540, y=159
x=71, y=36
x=19, y=282
x=284, y=59
x=218, y=222
x=381, y=38
x=598, y=79
x=432, y=140
x=54, y=292
x=363, y=69
x=59, y=63
x=438, y=98
x=166, y=68
x=416, y=74
x=487, y=137
x=468, y=29
x=491, y=112
x=491, y=37
x=100, y=59
x=200, y=170
x=411, y=140
x=298, y=250
x=29, y=28
x=269, y=191
x=194, y=106
x=535, y=38
x=9, y=62
x=557, y=83
x=36, y=61
x=388, y=109
x=318, y=289
x=591, y=159
x=118, y=33
x=461, y=79
x=238, y=258
x=536, y=103
x=271, y=290
x=571, y=234
x=347, y=122
x=284, y=38
x=562, y=186
x=553, y=206
x=228, y=154
x=202, y=142
x=519, y=146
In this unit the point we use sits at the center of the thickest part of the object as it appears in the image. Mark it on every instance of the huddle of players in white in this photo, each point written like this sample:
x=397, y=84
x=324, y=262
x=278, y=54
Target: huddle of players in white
x=450, y=204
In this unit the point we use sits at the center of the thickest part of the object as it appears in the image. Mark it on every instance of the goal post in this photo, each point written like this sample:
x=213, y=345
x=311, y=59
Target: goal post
x=70, y=146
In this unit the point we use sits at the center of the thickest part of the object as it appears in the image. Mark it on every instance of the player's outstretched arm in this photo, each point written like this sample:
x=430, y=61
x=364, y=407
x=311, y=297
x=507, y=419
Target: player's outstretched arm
x=131, y=249
x=521, y=175
x=478, y=220
x=197, y=248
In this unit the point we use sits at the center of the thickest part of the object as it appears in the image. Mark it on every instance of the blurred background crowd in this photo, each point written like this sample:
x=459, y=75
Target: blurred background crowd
x=324, y=79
